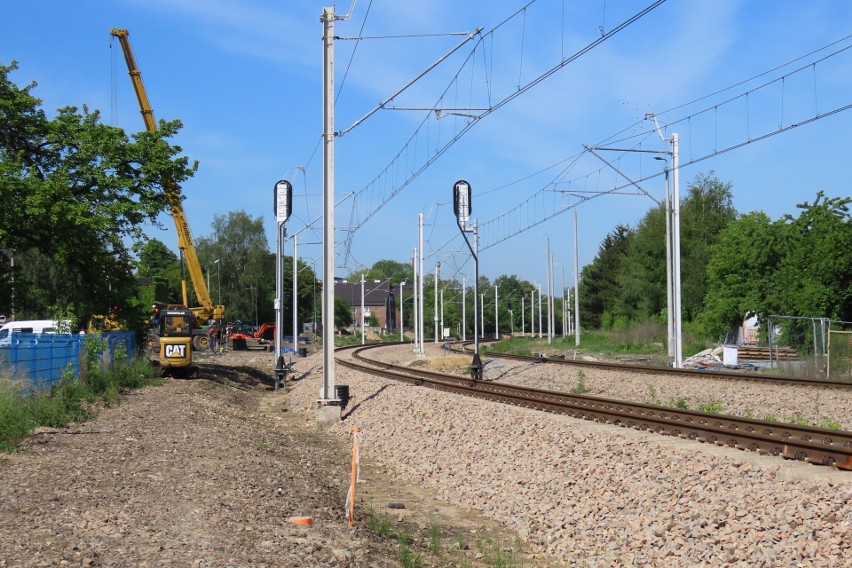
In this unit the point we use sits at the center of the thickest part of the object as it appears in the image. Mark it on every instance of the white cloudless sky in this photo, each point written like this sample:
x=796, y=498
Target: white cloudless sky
x=245, y=78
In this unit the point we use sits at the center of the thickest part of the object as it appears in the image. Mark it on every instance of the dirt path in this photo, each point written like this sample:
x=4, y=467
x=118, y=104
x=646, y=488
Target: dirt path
x=208, y=472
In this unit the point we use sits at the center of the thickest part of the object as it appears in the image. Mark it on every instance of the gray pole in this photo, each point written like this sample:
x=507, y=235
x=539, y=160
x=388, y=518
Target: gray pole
x=328, y=206
x=437, y=275
x=482, y=312
x=522, y=316
x=422, y=346
x=442, y=314
x=669, y=307
x=362, y=308
x=549, y=296
x=415, y=304
x=576, y=285
x=295, y=294
x=540, y=318
x=496, y=315
x=676, y=251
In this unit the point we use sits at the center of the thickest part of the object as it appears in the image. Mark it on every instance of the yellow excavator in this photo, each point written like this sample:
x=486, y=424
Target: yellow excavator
x=203, y=313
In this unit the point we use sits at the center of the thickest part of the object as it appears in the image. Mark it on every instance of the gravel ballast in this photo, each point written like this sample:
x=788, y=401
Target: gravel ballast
x=596, y=495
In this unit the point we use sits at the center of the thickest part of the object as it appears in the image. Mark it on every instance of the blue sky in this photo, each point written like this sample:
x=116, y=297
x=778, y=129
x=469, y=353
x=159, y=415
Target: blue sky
x=245, y=77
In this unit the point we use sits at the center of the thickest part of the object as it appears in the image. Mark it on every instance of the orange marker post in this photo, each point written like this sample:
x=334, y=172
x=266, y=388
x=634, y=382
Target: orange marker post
x=355, y=458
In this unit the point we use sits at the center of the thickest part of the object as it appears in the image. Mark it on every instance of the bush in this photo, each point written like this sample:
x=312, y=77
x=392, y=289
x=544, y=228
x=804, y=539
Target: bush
x=22, y=409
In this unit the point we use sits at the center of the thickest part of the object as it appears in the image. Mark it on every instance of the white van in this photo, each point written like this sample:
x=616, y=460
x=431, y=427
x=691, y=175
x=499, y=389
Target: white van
x=26, y=326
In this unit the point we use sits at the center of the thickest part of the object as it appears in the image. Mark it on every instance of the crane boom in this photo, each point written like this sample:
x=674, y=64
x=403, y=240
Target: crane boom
x=173, y=196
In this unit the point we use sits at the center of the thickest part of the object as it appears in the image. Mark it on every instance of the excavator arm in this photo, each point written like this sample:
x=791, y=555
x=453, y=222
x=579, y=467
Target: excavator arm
x=207, y=310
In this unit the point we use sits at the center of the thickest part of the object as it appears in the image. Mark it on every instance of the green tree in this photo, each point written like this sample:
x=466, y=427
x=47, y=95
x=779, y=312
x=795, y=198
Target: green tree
x=705, y=212
x=246, y=272
x=391, y=270
x=159, y=264
x=78, y=192
x=739, y=271
x=814, y=276
x=599, y=287
x=342, y=313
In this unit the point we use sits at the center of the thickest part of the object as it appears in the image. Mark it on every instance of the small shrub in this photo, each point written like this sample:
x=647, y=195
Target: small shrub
x=679, y=403
x=434, y=538
x=652, y=397
x=712, y=407
x=580, y=387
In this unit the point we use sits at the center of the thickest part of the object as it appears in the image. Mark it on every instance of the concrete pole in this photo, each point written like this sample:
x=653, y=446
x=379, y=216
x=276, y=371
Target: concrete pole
x=437, y=276
x=522, y=317
x=328, y=393
x=362, y=308
x=401, y=303
x=422, y=348
x=669, y=300
x=540, y=322
x=295, y=293
x=442, y=314
x=678, y=355
x=482, y=312
x=576, y=285
x=549, y=296
x=415, y=304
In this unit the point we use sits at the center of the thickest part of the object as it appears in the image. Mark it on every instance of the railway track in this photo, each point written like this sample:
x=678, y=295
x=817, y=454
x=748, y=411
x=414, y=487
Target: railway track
x=815, y=445
x=704, y=374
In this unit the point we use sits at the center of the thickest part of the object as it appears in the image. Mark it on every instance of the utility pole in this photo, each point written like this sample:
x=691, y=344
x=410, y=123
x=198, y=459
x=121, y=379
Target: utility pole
x=295, y=293
x=496, y=315
x=437, y=276
x=415, y=304
x=442, y=314
x=482, y=313
x=678, y=361
x=422, y=346
x=362, y=308
x=522, y=316
x=576, y=285
x=549, y=296
x=540, y=326
x=328, y=18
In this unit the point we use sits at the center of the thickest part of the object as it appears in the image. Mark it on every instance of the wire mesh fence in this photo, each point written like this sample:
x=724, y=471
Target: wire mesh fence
x=43, y=359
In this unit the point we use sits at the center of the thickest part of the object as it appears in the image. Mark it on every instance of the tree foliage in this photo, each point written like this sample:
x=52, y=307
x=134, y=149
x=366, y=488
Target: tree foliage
x=246, y=273
x=75, y=192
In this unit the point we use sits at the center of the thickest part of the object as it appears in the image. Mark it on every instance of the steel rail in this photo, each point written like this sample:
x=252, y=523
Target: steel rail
x=819, y=446
x=709, y=374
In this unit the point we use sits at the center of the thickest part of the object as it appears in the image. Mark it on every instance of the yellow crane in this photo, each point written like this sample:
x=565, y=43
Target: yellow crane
x=207, y=309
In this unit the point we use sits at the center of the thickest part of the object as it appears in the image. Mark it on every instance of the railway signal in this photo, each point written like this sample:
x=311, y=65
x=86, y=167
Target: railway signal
x=462, y=205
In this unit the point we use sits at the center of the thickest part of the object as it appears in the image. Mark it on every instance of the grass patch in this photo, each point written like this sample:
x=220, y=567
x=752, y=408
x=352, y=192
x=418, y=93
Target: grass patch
x=487, y=552
x=23, y=409
x=711, y=407
x=580, y=387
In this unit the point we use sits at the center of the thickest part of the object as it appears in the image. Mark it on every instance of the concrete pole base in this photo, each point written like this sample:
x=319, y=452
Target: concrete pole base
x=327, y=416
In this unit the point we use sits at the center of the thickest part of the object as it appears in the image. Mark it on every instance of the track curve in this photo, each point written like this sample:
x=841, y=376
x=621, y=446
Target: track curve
x=815, y=445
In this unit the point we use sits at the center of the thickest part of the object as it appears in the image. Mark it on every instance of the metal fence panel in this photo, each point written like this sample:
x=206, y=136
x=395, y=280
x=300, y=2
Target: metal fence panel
x=43, y=358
